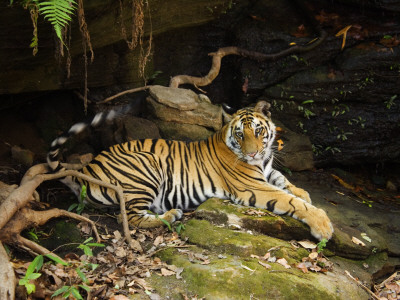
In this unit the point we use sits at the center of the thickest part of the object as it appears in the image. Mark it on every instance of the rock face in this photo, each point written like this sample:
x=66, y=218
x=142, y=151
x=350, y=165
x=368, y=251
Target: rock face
x=114, y=63
x=182, y=114
x=296, y=154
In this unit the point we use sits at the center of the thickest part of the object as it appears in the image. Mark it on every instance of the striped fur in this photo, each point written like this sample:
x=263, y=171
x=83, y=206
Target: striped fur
x=168, y=177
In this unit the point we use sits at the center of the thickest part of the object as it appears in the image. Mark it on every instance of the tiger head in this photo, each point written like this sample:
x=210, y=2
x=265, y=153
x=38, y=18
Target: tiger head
x=250, y=134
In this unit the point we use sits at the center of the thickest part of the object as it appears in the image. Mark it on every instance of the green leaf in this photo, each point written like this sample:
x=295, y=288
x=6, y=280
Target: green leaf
x=60, y=291
x=58, y=13
x=165, y=222
x=56, y=259
x=87, y=240
x=93, y=266
x=36, y=264
x=30, y=288
x=307, y=101
x=34, y=276
x=85, y=287
x=81, y=275
x=95, y=245
x=83, y=192
x=75, y=293
x=72, y=206
x=86, y=250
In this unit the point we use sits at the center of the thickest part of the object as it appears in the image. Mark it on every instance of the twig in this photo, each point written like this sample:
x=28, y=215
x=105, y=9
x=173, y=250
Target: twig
x=143, y=88
x=361, y=285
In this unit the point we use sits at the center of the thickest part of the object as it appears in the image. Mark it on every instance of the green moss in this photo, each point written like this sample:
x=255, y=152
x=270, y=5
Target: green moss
x=234, y=278
x=63, y=233
x=224, y=240
x=222, y=212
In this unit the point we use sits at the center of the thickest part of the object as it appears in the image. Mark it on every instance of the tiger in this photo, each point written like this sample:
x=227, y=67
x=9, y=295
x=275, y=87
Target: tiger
x=163, y=178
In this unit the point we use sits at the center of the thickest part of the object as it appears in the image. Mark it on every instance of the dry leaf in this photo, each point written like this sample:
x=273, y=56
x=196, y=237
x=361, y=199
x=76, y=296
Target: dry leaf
x=120, y=252
x=357, y=241
x=283, y=262
x=280, y=145
x=307, y=244
x=344, y=33
x=267, y=256
x=267, y=266
x=247, y=268
x=343, y=183
x=158, y=240
x=135, y=245
x=119, y=297
x=302, y=266
x=166, y=272
x=245, y=85
x=117, y=235
x=366, y=237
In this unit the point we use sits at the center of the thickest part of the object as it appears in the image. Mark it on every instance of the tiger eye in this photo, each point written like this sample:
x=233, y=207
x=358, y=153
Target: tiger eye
x=239, y=134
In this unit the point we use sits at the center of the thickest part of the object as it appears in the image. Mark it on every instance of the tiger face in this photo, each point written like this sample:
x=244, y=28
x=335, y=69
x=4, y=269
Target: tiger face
x=250, y=135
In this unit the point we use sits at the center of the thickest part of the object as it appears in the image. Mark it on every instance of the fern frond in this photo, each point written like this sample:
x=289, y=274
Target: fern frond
x=58, y=13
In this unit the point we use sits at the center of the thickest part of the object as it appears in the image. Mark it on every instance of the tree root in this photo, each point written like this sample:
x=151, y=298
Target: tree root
x=7, y=276
x=15, y=216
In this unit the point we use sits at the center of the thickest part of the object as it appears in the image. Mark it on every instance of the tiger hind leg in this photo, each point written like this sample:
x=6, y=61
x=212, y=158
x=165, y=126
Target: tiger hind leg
x=141, y=218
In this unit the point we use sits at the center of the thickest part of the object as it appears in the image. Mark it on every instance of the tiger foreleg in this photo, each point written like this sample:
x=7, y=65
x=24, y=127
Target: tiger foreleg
x=298, y=192
x=277, y=179
x=283, y=203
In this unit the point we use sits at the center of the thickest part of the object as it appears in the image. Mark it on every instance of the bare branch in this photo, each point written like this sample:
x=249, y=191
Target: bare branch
x=176, y=81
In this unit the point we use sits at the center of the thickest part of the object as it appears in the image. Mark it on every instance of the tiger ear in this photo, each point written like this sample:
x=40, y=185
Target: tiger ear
x=227, y=113
x=263, y=108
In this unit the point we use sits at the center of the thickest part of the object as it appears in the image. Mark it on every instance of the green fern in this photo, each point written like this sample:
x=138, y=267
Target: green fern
x=57, y=12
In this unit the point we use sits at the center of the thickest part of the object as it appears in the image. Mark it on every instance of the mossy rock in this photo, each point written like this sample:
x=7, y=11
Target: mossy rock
x=231, y=242
x=225, y=213
x=63, y=233
x=232, y=277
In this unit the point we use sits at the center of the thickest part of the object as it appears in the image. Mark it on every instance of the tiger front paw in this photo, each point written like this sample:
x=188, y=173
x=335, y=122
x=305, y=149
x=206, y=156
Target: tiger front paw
x=321, y=226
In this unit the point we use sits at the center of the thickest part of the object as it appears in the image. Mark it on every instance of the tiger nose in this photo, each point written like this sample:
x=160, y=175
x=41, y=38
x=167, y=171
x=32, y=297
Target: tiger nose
x=252, y=154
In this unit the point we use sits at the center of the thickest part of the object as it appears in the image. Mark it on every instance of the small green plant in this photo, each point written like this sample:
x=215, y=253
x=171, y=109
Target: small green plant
x=32, y=272
x=307, y=112
x=343, y=135
x=66, y=291
x=389, y=103
x=33, y=269
x=81, y=205
x=86, y=246
x=340, y=109
x=360, y=120
x=165, y=222
x=321, y=245
x=34, y=235
x=179, y=227
x=58, y=13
